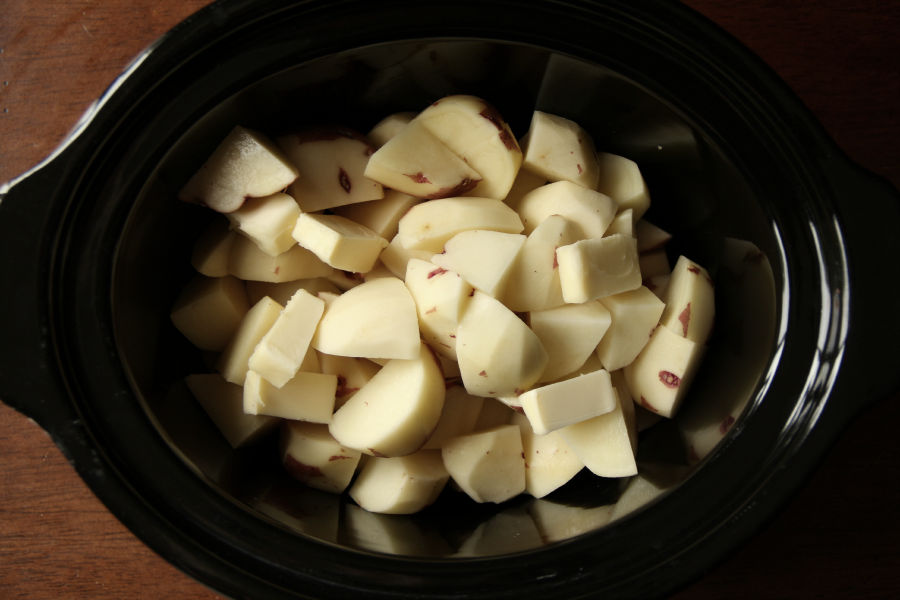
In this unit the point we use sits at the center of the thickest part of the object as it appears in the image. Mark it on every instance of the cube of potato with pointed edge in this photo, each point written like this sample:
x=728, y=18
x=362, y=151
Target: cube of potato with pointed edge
x=570, y=334
x=590, y=365
x=282, y=292
x=603, y=444
x=245, y=165
x=662, y=373
x=381, y=216
x=331, y=162
x=591, y=212
x=559, y=149
x=534, y=276
x=387, y=128
x=621, y=180
x=475, y=132
x=592, y=269
x=565, y=403
x=560, y=522
x=634, y=315
x=310, y=455
x=397, y=258
x=345, y=280
x=690, y=302
x=483, y=258
x=429, y=225
x=654, y=262
x=397, y=411
x=649, y=236
x=402, y=485
x=657, y=284
x=494, y=412
x=352, y=374
x=525, y=182
x=224, y=403
x=379, y=271
x=498, y=354
x=622, y=223
x=441, y=298
x=281, y=351
x=212, y=249
x=268, y=222
x=374, y=320
x=248, y=262
x=209, y=310
x=415, y=162
x=458, y=417
x=306, y=397
x=232, y=363
x=488, y=465
x=339, y=242
x=549, y=462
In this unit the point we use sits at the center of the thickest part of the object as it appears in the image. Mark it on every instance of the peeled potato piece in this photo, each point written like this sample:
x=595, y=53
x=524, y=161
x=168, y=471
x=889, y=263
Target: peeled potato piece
x=268, y=222
x=488, y=465
x=224, y=403
x=232, y=363
x=549, y=462
x=309, y=454
x=248, y=262
x=339, y=242
x=209, y=310
x=401, y=485
x=305, y=397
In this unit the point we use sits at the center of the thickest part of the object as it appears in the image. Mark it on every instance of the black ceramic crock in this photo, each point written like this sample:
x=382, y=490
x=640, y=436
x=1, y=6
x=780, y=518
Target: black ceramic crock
x=96, y=248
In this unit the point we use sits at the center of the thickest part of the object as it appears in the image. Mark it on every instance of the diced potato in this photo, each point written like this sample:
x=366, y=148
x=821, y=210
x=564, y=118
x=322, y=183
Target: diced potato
x=339, y=242
x=224, y=403
x=309, y=454
x=401, y=485
x=268, y=222
x=488, y=465
x=232, y=363
x=305, y=397
x=248, y=262
x=209, y=310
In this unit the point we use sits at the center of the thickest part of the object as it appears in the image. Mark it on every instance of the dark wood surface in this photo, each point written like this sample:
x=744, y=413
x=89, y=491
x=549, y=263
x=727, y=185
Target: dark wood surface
x=836, y=539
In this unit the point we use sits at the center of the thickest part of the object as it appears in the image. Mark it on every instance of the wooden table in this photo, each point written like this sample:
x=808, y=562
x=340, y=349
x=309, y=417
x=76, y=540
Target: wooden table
x=837, y=539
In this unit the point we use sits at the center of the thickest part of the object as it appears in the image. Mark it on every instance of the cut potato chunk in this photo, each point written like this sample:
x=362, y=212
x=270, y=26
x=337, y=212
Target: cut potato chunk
x=560, y=149
x=352, y=374
x=570, y=334
x=597, y=268
x=209, y=310
x=397, y=258
x=458, y=417
x=483, y=258
x=268, y=222
x=634, y=315
x=401, y=485
x=650, y=237
x=224, y=403
x=558, y=405
x=499, y=356
x=212, y=249
x=429, y=225
x=310, y=455
x=525, y=182
x=549, y=462
x=281, y=351
x=690, y=302
x=622, y=223
x=387, y=128
x=232, y=363
x=374, y=320
x=494, y=412
x=397, y=411
x=282, y=292
x=305, y=397
x=248, y=262
x=339, y=242
x=589, y=211
x=441, y=298
x=621, y=180
x=245, y=165
x=603, y=444
x=654, y=262
x=381, y=216
x=489, y=465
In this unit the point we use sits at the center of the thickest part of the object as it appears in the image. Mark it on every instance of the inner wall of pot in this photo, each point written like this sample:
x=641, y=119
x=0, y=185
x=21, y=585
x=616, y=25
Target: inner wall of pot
x=696, y=193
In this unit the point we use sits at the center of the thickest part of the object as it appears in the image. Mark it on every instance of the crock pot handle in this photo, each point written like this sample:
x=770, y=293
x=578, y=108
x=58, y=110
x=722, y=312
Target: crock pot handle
x=868, y=209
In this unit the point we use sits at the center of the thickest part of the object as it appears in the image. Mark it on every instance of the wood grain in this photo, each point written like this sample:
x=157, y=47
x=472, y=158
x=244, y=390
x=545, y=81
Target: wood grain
x=836, y=539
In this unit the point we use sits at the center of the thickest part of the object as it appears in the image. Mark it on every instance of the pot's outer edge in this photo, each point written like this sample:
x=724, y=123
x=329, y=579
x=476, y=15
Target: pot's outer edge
x=43, y=388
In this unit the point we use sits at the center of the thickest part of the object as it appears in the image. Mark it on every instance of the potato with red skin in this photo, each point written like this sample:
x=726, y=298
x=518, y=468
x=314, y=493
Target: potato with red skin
x=311, y=455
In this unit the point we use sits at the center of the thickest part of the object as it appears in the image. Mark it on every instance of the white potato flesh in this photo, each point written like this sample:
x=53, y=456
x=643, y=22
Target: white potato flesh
x=483, y=258
x=494, y=412
x=663, y=372
x=475, y=132
x=441, y=298
x=387, y=128
x=268, y=222
x=306, y=397
x=402, y=485
x=429, y=225
x=339, y=242
x=212, y=249
x=376, y=319
x=597, y=268
x=622, y=223
x=649, y=236
x=396, y=412
x=310, y=455
x=249, y=263
x=245, y=165
x=331, y=162
x=345, y=280
x=458, y=417
x=232, y=363
x=591, y=212
x=560, y=149
x=690, y=302
x=282, y=292
x=488, y=465
x=634, y=315
x=570, y=334
x=415, y=162
x=534, y=276
x=397, y=258
x=379, y=271
x=499, y=356
x=603, y=444
x=381, y=216
x=209, y=310
x=657, y=284
x=525, y=182
x=621, y=180
x=629, y=410
x=224, y=403
x=549, y=462
x=281, y=351
x=654, y=262
x=352, y=374
x=565, y=403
